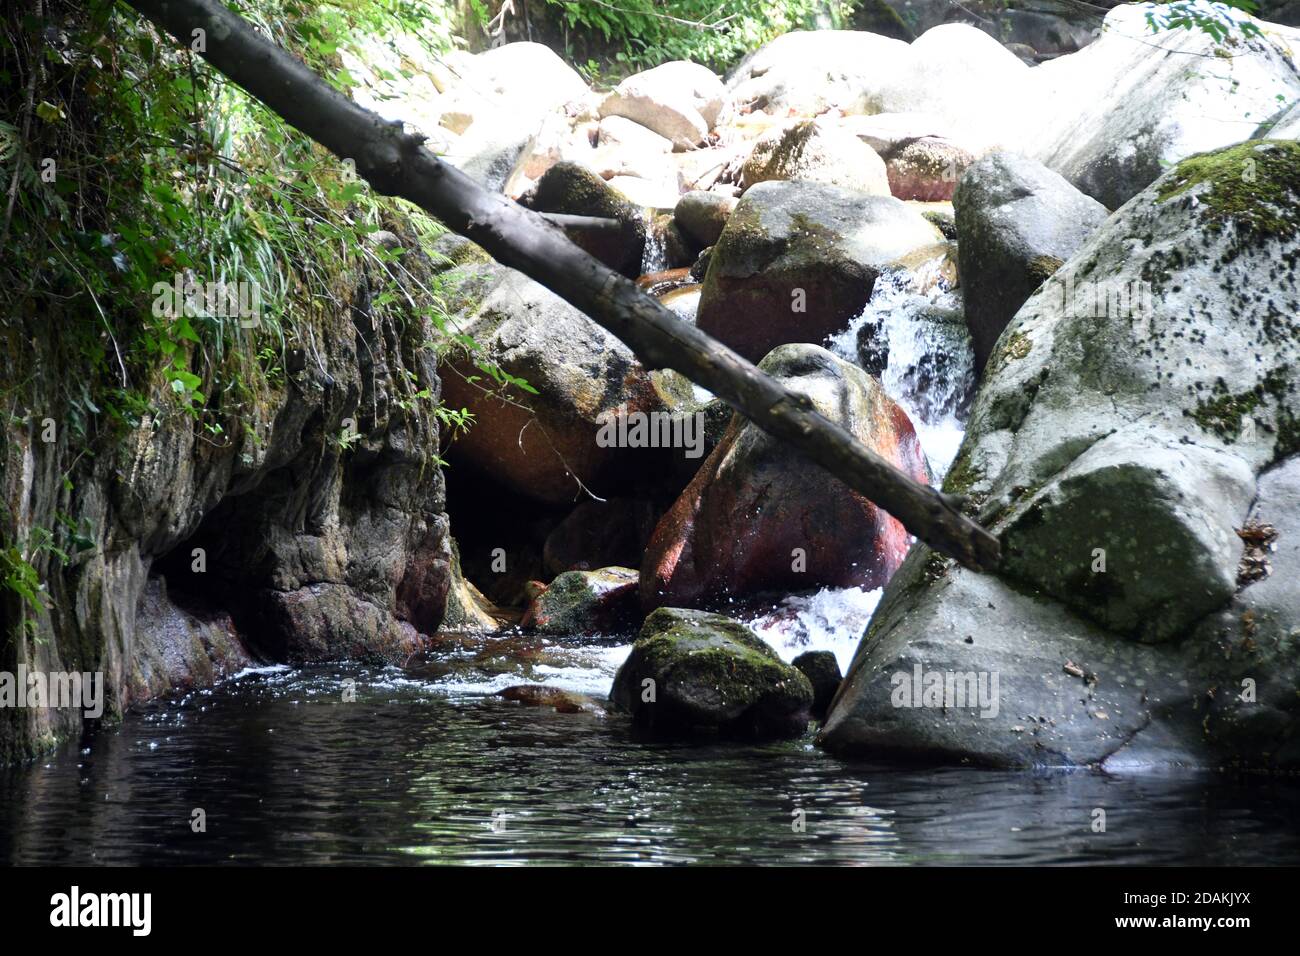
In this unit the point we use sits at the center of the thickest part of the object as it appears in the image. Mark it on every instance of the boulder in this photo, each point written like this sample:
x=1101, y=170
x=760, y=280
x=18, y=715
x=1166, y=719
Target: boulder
x=806, y=73
x=575, y=190
x=816, y=151
x=580, y=372
x=679, y=100
x=526, y=78
x=1284, y=125
x=1018, y=222
x=756, y=519
x=702, y=215
x=797, y=261
x=823, y=673
x=603, y=601
x=692, y=672
x=923, y=155
x=621, y=132
x=926, y=169
x=1134, y=445
x=963, y=77
x=1114, y=116
x=597, y=534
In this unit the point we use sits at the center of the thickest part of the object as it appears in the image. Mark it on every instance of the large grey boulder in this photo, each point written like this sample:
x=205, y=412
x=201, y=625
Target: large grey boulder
x=678, y=100
x=816, y=151
x=539, y=444
x=1017, y=222
x=1142, y=407
x=526, y=78
x=966, y=78
x=798, y=260
x=1115, y=115
x=805, y=73
x=692, y=672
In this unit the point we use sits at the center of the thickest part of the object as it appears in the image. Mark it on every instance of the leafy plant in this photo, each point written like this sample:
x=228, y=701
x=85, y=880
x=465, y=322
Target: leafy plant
x=1220, y=19
x=644, y=33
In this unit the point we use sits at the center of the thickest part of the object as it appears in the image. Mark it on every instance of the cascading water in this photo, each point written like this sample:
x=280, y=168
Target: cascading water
x=911, y=334
x=654, y=256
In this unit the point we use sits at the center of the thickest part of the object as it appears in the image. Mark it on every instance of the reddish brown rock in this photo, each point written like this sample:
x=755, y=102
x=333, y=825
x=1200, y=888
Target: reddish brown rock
x=797, y=262
x=926, y=169
x=759, y=517
x=539, y=695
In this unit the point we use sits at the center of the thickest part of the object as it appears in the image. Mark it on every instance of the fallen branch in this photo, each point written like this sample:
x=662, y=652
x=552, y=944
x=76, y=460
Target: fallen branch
x=396, y=163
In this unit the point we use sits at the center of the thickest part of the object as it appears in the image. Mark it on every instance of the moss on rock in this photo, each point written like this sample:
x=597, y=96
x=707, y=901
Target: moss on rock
x=1254, y=185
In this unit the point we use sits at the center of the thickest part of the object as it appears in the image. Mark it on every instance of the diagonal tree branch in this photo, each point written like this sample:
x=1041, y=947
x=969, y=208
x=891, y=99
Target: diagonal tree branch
x=396, y=163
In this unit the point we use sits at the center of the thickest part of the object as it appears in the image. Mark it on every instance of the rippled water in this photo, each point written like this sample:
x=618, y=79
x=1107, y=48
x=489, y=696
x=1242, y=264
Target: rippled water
x=425, y=766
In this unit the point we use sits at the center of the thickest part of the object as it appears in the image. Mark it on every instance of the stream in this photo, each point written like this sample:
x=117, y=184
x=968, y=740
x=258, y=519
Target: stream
x=427, y=766
x=353, y=763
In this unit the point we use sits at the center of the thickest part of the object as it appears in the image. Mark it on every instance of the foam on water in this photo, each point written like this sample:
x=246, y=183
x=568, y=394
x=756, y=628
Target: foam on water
x=832, y=619
x=586, y=670
x=929, y=365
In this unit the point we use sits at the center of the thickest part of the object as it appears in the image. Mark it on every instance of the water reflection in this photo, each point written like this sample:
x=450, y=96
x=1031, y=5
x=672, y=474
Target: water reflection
x=288, y=773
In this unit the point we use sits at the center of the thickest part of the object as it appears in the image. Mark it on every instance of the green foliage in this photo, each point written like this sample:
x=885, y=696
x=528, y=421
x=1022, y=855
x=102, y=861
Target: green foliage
x=645, y=33
x=19, y=576
x=138, y=168
x=1219, y=19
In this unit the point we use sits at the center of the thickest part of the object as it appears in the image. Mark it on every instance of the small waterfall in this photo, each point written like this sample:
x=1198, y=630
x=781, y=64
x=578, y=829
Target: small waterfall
x=912, y=335
x=832, y=619
x=654, y=257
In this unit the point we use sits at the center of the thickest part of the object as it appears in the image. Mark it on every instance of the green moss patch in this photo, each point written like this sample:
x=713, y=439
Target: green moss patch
x=1254, y=185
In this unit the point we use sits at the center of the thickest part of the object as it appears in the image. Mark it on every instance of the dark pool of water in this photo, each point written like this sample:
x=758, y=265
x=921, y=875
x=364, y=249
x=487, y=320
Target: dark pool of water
x=288, y=773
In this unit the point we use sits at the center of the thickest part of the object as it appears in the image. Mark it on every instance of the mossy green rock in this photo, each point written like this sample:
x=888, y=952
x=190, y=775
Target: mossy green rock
x=1120, y=446
x=692, y=671
x=574, y=190
x=586, y=602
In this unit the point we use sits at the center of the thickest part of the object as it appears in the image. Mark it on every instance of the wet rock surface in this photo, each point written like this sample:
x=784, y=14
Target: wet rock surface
x=692, y=672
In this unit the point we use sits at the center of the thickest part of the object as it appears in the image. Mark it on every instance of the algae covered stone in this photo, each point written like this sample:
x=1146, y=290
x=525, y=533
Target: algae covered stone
x=692, y=671
x=586, y=602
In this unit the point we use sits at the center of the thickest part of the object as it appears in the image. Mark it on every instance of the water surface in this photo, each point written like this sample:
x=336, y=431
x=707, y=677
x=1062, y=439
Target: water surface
x=426, y=766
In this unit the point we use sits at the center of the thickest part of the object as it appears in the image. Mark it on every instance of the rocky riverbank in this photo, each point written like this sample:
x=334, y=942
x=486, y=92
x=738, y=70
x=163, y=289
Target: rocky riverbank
x=1080, y=270
x=1119, y=354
